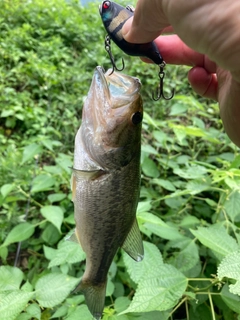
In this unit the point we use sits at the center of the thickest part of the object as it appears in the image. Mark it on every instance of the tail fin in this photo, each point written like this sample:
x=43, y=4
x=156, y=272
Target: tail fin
x=94, y=297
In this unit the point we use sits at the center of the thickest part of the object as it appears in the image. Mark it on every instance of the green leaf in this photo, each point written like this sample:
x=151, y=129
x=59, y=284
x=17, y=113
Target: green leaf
x=148, y=149
x=193, y=172
x=152, y=256
x=30, y=151
x=166, y=184
x=187, y=257
x=61, y=312
x=216, y=238
x=68, y=252
x=53, y=214
x=178, y=108
x=81, y=312
x=34, y=311
x=231, y=300
x=230, y=268
x=6, y=189
x=49, y=253
x=51, y=235
x=198, y=185
x=10, y=278
x=144, y=206
x=158, y=226
x=19, y=233
x=232, y=206
x=160, y=289
x=110, y=288
x=121, y=304
x=56, y=197
x=53, y=288
x=150, y=168
x=12, y=303
x=42, y=182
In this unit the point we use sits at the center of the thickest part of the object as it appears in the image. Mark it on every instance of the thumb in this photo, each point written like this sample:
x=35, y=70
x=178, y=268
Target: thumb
x=132, y=35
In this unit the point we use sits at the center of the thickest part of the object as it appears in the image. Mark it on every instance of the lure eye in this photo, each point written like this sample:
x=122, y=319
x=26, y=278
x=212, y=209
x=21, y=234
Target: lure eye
x=137, y=117
x=106, y=5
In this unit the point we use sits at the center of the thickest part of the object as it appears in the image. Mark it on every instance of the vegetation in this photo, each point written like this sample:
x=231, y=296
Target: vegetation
x=189, y=209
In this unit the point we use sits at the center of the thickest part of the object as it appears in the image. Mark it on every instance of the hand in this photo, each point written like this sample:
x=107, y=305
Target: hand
x=207, y=38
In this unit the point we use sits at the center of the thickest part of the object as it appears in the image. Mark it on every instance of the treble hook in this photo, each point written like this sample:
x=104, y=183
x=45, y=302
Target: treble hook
x=160, y=88
x=108, y=49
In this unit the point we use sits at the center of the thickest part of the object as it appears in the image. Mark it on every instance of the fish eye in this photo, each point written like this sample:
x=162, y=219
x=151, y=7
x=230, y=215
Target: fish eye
x=137, y=117
x=106, y=4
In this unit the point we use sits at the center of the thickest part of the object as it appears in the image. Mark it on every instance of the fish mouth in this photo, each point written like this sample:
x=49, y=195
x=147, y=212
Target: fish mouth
x=120, y=88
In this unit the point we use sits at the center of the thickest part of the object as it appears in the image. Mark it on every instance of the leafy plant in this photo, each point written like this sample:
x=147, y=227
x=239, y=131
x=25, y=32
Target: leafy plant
x=190, y=193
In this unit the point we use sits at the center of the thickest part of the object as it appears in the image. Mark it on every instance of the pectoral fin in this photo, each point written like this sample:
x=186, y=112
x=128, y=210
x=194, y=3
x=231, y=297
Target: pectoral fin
x=79, y=175
x=73, y=187
x=87, y=175
x=73, y=237
x=133, y=243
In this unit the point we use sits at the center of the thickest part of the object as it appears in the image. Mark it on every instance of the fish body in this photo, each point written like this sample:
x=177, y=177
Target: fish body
x=114, y=16
x=106, y=179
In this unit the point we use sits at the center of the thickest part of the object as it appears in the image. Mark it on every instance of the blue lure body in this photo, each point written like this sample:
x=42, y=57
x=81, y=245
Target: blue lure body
x=114, y=16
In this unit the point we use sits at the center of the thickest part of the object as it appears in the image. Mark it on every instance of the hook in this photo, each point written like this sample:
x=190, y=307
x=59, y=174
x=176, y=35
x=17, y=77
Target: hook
x=108, y=49
x=160, y=88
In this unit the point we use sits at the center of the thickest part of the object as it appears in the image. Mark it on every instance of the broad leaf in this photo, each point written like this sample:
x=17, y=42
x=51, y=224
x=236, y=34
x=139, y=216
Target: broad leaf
x=216, y=238
x=81, y=312
x=152, y=257
x=160, y=289
x=34, y=311
x=53, y=288
x=157, y=226
x=231, y=300
x=30, y=151
x=187, y=256
x=19, y=233
x=10, y=278
x=232, y=206
x=12, y=303
x=53, y=214
x=230, y=268
x=150, y=168
x=68, y=252
x=6, y=189
x=166, y=184
x=42, y=182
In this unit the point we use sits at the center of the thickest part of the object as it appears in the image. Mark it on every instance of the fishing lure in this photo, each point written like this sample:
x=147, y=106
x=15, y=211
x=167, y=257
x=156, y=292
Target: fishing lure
x=114, y=16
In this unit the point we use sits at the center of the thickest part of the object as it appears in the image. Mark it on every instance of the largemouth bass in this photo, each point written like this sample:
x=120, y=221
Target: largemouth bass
x=106, y=179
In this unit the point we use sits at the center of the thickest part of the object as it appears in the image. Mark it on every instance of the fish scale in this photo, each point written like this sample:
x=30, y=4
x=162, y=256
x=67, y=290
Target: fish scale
x=106, y=179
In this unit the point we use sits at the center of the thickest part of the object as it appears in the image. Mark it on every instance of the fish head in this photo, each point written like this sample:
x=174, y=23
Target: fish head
x=112, y=117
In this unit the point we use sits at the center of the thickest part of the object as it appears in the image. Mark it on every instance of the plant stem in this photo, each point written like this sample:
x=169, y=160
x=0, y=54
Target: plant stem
x=178, y=305
x=29, y=197
x=211, y=304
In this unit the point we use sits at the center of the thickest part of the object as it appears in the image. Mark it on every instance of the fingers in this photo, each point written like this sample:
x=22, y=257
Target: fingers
x=203, y=82
x=147, y=23
x=175, y=51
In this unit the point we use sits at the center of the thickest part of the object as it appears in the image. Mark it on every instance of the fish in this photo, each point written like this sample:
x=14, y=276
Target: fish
x=113, y=17
x=106, y=179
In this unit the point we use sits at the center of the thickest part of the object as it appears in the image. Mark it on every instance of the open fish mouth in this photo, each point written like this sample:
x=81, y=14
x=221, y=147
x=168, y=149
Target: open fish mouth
x=118, y=86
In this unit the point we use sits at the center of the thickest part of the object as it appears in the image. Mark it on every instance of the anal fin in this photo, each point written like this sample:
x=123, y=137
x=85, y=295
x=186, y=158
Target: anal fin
x=133, y=243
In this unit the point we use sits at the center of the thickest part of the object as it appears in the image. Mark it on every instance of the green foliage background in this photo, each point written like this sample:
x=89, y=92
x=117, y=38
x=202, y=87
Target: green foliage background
x=189, y=209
